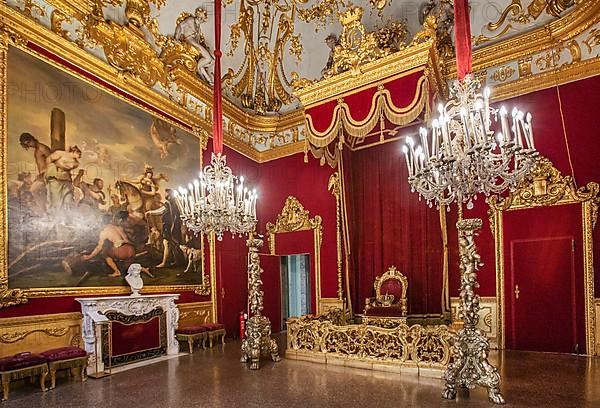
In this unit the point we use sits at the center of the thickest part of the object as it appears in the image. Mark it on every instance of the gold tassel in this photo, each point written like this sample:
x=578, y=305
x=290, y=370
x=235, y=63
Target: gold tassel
x=305, y=150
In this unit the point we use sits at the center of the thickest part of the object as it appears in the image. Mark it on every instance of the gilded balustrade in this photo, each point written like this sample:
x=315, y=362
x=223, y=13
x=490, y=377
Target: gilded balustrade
x=324, y=340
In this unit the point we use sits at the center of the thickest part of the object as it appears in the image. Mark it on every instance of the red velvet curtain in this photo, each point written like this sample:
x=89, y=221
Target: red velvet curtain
x=390, y=226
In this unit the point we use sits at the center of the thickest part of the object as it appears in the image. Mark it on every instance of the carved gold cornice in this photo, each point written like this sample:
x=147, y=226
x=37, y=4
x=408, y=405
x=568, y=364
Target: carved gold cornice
x=544, y=186
x=576, y=22
x=293, y=217
x=203, y=92
x=333, y=87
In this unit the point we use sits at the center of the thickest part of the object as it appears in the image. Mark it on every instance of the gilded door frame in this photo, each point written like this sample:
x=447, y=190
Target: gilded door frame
x=293, y=218
x=545, y=186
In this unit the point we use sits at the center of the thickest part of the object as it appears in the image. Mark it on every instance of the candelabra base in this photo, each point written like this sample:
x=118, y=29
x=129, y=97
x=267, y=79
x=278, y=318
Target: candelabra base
x=470, y=367
x=258, y=342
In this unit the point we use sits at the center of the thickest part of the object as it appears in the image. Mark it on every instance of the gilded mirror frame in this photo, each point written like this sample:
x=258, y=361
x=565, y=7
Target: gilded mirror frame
x=545, y=186
x=18, y=32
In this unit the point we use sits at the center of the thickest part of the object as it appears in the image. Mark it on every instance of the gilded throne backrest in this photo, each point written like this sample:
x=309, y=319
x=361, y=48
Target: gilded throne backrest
x=390, y=291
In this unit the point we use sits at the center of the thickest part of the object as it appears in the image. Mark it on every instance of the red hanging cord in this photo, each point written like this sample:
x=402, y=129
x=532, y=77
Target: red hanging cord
x=462, y=38
x=217, y=107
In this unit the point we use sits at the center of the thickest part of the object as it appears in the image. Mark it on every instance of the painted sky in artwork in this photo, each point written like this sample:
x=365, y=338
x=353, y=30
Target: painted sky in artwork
x=113, y=135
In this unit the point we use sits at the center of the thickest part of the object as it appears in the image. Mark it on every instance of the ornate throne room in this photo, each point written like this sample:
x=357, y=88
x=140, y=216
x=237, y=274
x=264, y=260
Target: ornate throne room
x=299, y=203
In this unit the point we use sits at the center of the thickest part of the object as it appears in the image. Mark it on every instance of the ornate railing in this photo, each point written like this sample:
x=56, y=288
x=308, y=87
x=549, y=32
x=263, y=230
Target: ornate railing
x=412, y=346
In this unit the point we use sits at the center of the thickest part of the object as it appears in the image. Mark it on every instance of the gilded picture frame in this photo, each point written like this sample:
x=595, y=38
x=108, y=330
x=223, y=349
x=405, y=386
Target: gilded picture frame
x=545, y=186
x=15, y=32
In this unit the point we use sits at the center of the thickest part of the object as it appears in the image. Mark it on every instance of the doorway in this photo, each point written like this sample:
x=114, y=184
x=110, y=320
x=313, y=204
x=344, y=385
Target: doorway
x=295, y=286
x=544, y=285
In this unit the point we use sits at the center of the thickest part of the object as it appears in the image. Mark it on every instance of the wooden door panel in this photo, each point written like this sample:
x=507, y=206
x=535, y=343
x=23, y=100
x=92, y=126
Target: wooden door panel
x=543, y=309
x=544, y=257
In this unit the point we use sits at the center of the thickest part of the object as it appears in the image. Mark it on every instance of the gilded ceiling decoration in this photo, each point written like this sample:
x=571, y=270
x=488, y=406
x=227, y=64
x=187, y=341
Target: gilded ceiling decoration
x=356, y=47
x=517, y=14
x=166, y=45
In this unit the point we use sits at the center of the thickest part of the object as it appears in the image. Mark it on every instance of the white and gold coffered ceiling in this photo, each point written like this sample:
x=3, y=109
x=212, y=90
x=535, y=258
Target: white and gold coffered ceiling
x=263, y=119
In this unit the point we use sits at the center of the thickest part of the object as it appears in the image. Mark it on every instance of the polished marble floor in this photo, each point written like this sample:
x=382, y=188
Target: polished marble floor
x=216, y=378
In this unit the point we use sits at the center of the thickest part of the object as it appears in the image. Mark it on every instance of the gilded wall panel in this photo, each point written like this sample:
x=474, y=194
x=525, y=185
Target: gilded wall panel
x=195, y=313
x=488, y=317
x=39, y=333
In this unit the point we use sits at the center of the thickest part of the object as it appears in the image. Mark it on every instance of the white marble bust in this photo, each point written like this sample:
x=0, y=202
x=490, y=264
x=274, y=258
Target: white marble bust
x=134, y=279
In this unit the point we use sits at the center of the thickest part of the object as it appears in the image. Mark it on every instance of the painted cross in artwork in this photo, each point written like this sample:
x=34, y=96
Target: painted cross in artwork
x=89, y=180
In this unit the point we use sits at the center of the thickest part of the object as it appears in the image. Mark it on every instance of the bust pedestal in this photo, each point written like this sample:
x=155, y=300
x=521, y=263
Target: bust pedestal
x=91, y=308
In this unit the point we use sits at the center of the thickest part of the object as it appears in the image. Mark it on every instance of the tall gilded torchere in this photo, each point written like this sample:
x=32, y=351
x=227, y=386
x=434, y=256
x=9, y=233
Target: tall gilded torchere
x=258, y=328
x=461, y=158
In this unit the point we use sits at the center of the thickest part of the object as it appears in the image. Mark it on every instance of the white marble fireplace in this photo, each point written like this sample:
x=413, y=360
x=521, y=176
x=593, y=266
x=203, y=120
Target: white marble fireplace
x=94, y=310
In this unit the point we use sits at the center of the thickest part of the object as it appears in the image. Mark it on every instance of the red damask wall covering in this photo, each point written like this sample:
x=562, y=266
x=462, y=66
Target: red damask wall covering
x=582, y=124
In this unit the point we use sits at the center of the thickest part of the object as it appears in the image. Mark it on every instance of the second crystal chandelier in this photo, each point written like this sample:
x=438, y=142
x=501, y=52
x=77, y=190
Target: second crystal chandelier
x=463, y=156
x=218, y=201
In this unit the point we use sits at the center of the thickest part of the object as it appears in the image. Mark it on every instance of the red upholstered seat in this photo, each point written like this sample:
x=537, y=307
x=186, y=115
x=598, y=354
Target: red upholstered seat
x=21, y=360
x=382, y=311
x=213, y=326
x=63, y=353
x=192, y=329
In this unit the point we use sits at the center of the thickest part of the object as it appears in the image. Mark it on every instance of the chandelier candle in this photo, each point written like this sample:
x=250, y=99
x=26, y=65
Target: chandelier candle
x=469, y=158
x=217, y=201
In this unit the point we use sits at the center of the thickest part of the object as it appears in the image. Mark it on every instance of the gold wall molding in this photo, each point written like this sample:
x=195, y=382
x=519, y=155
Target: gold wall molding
x=8, y=297
x=597, y=306
x=327, y=304
x=335, y=187
x=488, y=317
x=213, y=275
x=39, y=333
x=545, y=186
x=292, y=218
x=195, y=313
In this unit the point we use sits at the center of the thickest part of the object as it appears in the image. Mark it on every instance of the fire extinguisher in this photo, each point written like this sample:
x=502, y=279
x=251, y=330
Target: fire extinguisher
x=243, y=317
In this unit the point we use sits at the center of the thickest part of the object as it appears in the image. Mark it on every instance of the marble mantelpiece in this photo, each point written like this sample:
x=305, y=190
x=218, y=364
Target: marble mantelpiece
x=94, y=308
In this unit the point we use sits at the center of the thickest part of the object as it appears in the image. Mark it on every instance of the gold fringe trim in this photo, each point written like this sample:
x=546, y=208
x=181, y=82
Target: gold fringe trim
x=381, y=104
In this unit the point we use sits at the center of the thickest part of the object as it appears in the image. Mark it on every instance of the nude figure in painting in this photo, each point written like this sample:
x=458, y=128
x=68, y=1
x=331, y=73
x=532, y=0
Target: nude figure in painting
x=59, y=179
x=115, y=245
x=40, y=152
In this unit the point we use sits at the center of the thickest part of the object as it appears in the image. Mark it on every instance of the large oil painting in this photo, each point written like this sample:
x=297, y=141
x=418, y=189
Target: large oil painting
x=89, y=179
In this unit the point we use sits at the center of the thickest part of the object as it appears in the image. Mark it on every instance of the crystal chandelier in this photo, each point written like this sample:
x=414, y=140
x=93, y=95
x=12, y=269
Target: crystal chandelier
x=464, y=156
x=217, y=201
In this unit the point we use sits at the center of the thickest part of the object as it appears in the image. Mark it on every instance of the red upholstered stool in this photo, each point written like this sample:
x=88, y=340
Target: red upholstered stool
x=22, y=365
x=65, y=358
x=214, y=331
x=190, y=333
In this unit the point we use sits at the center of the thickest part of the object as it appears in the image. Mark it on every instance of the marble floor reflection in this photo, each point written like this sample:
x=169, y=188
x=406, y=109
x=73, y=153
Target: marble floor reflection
x=216, y=378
